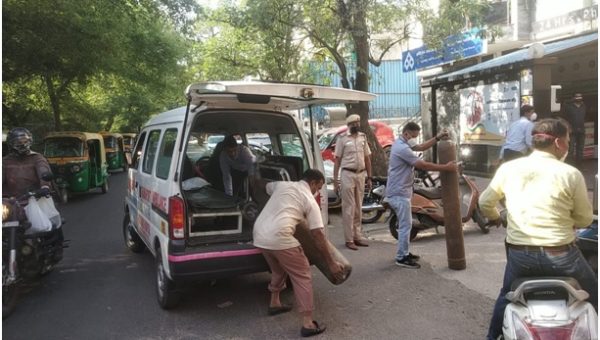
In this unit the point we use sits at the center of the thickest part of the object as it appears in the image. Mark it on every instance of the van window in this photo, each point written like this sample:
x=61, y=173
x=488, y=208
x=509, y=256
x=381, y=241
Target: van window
x=150, y=152
x=166, y=153
x=135, y=157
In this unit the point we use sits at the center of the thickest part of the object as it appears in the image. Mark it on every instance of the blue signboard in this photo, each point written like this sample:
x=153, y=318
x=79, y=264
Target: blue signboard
x=462, y=45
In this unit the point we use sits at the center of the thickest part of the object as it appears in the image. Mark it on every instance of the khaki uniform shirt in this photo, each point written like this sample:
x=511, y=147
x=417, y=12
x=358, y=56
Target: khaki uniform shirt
x=545, y=199
x=352, y=151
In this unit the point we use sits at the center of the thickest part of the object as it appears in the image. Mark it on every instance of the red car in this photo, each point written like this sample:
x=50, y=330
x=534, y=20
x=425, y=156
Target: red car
x=383, y=132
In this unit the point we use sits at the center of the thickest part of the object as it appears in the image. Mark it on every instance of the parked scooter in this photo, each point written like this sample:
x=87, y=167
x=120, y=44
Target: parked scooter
x=25, y=256
x=549, y=308
x=427, y=208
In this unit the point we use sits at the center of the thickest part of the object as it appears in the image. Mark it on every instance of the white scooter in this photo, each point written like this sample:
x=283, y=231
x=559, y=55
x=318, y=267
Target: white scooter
x=548, y=308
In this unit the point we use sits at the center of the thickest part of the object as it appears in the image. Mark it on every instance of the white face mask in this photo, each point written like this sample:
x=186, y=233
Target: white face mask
x=533, y=117
x=412, y=142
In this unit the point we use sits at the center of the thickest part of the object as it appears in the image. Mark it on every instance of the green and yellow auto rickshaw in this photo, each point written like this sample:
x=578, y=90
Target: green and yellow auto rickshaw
x=115, y=151
x=78, y=162
x=128, y=144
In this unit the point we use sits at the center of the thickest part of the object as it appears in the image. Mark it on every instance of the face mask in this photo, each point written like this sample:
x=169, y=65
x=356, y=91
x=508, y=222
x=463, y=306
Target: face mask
x=533, y=117
x=412, y=142
x=354, y=129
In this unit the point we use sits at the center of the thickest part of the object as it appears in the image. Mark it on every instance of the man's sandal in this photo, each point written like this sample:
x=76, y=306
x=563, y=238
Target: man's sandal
x=306, y=332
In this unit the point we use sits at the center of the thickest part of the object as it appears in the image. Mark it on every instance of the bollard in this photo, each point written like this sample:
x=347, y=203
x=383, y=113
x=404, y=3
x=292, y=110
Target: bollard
x=455, y=246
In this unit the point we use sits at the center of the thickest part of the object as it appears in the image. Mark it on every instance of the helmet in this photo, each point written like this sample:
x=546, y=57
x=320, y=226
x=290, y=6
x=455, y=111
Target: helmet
x=20, y=139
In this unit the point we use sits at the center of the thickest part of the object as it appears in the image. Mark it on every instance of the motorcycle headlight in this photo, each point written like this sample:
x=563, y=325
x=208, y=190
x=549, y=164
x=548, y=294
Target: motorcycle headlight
x=5, y=212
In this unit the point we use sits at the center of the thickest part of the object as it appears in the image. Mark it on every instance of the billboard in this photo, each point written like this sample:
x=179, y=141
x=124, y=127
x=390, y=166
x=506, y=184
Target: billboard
x=486, y=111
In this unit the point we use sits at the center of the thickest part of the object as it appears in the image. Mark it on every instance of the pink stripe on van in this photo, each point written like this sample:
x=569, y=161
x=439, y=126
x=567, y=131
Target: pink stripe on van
x=213, y=255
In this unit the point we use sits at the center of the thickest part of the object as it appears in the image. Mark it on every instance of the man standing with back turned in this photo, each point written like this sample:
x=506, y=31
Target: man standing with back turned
x=353, y=156
x=546, y=200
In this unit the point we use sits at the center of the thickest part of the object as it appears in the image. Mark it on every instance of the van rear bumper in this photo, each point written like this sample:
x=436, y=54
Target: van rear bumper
x=215, y=262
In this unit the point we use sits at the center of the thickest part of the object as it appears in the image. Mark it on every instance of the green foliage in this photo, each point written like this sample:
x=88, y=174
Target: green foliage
x=91, y=65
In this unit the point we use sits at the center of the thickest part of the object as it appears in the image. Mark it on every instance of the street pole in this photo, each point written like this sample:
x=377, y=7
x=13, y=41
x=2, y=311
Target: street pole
x=455, y=246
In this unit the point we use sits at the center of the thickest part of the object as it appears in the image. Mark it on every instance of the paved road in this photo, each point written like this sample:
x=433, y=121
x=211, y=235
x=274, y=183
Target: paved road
x=102, y=291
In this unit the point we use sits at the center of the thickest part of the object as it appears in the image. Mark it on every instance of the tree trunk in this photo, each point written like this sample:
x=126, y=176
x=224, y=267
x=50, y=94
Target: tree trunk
x=361, y=47
x=54, y=102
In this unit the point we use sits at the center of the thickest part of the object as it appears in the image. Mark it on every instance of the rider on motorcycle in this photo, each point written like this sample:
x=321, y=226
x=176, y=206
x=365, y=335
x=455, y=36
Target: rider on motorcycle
x=22, y=169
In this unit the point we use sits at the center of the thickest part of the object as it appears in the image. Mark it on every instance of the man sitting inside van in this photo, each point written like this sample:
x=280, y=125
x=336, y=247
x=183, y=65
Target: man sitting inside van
x=237, y=160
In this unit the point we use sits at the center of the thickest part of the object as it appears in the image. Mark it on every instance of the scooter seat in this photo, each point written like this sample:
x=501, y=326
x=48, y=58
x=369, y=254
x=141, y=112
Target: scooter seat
x=431, y=193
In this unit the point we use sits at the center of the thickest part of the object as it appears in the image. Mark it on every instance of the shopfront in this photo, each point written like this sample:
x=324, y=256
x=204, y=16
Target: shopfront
x=478, y=103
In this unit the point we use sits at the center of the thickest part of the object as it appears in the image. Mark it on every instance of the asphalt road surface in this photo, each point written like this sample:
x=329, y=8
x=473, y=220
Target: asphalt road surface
x=102, y=291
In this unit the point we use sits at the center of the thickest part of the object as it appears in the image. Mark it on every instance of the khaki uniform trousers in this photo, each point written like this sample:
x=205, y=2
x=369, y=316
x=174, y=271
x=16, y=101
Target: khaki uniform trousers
x=352, y=191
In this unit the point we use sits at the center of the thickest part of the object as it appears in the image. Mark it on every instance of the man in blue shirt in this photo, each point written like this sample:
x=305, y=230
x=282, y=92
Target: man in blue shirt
x=518, y=137
x=399, y=188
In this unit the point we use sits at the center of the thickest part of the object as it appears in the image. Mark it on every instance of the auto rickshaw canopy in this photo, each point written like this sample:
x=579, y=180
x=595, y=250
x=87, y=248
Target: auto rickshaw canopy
x=83, y=136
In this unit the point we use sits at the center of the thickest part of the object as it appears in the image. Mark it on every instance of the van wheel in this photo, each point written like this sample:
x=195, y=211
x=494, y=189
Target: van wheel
x=132, y=239
x=167, y=293
x=105, y=186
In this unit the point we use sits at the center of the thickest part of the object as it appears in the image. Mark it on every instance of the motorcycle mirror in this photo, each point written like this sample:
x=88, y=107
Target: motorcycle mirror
x=48, y=176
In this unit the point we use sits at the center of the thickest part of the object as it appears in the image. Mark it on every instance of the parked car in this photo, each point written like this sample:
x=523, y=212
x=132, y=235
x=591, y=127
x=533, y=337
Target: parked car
x=383, y=132
x=194, y=231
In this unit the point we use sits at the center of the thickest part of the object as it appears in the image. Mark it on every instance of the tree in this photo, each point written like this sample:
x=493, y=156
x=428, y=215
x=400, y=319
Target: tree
x=68, y=46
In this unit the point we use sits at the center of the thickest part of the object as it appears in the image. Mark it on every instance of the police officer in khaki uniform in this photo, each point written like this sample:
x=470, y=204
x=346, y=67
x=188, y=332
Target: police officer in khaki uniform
x=353, y=157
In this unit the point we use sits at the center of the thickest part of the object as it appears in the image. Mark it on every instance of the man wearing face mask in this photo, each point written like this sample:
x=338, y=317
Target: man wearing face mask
x=353, y=156
x=546, y=200
x=575, y=114
x=518, y=137
x=399, y=189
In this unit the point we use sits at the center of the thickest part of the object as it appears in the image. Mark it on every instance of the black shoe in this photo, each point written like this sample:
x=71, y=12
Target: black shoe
x=306, y=332
x=407, y=262
x=413, y=257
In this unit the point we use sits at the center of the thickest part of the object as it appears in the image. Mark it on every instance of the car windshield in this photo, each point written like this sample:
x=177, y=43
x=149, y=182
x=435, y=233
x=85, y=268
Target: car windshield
x=63, y=147
x=325, y=139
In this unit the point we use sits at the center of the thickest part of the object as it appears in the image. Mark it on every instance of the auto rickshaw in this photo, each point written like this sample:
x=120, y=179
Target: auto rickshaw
x=115, y=151
x=128, y=144
x=78, y=162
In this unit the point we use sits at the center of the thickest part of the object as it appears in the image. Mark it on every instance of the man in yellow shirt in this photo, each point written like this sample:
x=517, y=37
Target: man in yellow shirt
x=546, y=200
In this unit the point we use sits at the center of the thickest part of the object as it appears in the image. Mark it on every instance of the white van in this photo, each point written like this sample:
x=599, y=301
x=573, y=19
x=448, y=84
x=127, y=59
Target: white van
x=180, y=213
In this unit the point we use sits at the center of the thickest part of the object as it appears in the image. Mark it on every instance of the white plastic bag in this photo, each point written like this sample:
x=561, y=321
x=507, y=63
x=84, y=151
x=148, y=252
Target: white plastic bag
x=47, y=206
x=38, y=219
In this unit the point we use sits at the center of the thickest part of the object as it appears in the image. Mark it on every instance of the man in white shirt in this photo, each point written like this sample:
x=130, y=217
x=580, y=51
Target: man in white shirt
x=518, y=137
x=292, y=204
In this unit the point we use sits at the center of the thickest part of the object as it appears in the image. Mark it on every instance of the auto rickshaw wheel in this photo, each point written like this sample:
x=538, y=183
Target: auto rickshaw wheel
x=105, y=186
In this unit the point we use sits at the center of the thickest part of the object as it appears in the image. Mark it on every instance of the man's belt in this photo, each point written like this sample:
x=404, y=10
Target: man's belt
x=538, y=249
x=354, y=170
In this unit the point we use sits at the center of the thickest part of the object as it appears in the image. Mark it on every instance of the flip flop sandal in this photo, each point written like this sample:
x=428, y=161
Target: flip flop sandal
x=279, y=309
x=306, y=332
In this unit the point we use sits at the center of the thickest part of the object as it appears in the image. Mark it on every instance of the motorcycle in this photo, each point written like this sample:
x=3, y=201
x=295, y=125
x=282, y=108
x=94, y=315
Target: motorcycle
x=25, y=256
x=427, y=208
x=549, y=308
x=373, y=205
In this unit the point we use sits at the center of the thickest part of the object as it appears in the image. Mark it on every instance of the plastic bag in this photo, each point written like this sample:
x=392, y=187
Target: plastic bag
x=47, y=206
x=38, y=219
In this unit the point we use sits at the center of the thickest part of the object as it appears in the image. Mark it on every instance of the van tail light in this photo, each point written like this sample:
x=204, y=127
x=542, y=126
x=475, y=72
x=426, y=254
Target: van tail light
x=176, y=217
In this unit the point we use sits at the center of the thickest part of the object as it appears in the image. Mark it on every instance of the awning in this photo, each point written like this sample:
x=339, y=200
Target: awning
x=518, y=57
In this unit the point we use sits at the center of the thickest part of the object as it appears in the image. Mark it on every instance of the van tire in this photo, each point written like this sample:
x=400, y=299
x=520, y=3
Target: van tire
x=105, y=186
x=166, y=291
x=132, y=239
